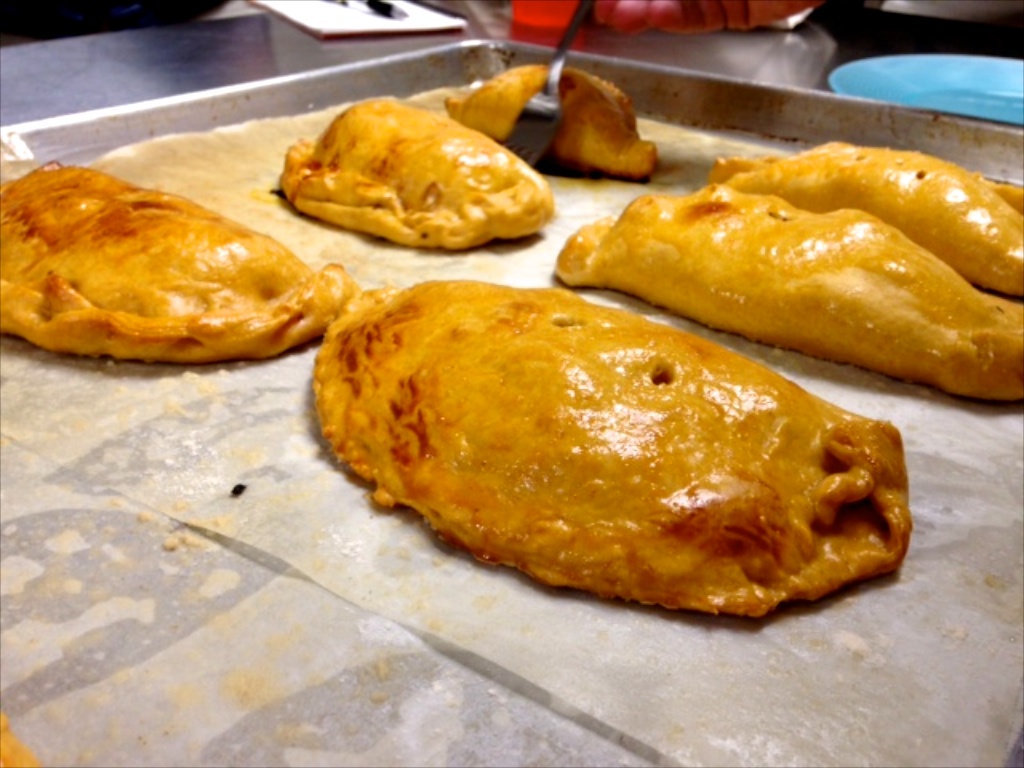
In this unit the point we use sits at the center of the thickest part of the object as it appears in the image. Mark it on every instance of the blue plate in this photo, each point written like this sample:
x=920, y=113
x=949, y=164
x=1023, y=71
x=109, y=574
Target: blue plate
x=978, y=86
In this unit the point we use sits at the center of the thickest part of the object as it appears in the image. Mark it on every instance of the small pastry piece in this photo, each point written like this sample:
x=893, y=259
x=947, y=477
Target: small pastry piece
x=592, y=448
x=842, y=286
x=598, y=134
x=92, y=265
x=13, y=753
x=972, y=224
x=416, y=178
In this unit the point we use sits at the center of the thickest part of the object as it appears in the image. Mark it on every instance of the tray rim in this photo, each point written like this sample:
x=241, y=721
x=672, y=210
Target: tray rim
x=778, y=108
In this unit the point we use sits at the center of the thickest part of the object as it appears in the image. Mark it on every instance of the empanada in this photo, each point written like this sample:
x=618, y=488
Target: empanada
x=843, y=286
x=92, y=265
x=972, y=224
x=598, y=134
x=416, y=178
x=592, y=448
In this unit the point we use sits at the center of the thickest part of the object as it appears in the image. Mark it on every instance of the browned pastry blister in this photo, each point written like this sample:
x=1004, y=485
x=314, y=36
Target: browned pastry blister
x=598, y=134
x=92, y=265
x=416, y=178
x=595, y=449
x=843, y=286
x=974, y=225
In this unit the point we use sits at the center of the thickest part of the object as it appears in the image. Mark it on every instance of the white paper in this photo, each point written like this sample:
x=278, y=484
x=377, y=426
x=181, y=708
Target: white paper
x=324, y=18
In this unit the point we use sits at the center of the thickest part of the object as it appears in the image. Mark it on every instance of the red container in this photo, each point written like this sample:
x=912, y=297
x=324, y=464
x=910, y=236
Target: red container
x=548, y=14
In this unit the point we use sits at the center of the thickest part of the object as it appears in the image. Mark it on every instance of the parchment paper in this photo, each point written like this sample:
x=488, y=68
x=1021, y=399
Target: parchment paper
x=921, y=668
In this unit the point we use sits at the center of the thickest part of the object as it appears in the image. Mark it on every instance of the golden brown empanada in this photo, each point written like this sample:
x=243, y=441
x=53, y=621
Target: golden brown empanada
x=416, y=178
x=598, y=134
x=92, y=265
x=842, y=286
x=968, y=222
x=595, y=449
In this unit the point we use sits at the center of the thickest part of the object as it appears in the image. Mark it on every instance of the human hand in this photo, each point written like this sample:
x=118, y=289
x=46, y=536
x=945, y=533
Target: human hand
x=691, y=16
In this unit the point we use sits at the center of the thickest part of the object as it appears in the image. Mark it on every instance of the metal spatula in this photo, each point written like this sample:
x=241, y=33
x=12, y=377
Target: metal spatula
x=537, y=124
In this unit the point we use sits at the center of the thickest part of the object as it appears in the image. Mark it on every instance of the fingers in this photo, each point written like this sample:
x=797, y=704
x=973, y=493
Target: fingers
x=694, y=16
x=629, y=16
x=762, y=13
x=689, y=16
x=685, y=16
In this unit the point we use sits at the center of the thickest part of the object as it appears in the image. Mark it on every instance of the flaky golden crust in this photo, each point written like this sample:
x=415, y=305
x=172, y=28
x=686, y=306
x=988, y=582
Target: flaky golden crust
x=973, y=225
x=843, y=286
x=416, y=178
x=598, y=134
x=592, y=448
x=92, y=265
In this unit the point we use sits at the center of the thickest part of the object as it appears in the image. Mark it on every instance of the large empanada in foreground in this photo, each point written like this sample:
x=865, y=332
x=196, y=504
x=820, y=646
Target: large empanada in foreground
x=595, y=449
x=598, y=134
x=416, y=178
x=843, y=286
x=92, y=265
x=972, y=224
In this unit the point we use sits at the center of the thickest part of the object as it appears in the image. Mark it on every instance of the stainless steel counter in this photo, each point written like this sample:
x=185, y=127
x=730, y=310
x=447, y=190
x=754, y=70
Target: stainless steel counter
x=57, y=77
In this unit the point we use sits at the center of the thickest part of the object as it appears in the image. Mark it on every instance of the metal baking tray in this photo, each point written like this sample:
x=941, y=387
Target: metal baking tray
x=714, y=103
x=754, y=112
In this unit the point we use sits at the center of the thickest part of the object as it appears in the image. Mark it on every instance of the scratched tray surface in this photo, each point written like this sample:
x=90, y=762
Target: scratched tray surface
x=213, y=643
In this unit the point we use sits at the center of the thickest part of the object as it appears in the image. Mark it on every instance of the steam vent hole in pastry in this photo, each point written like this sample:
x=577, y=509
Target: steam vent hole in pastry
x=662, y=370
x=662, y=373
